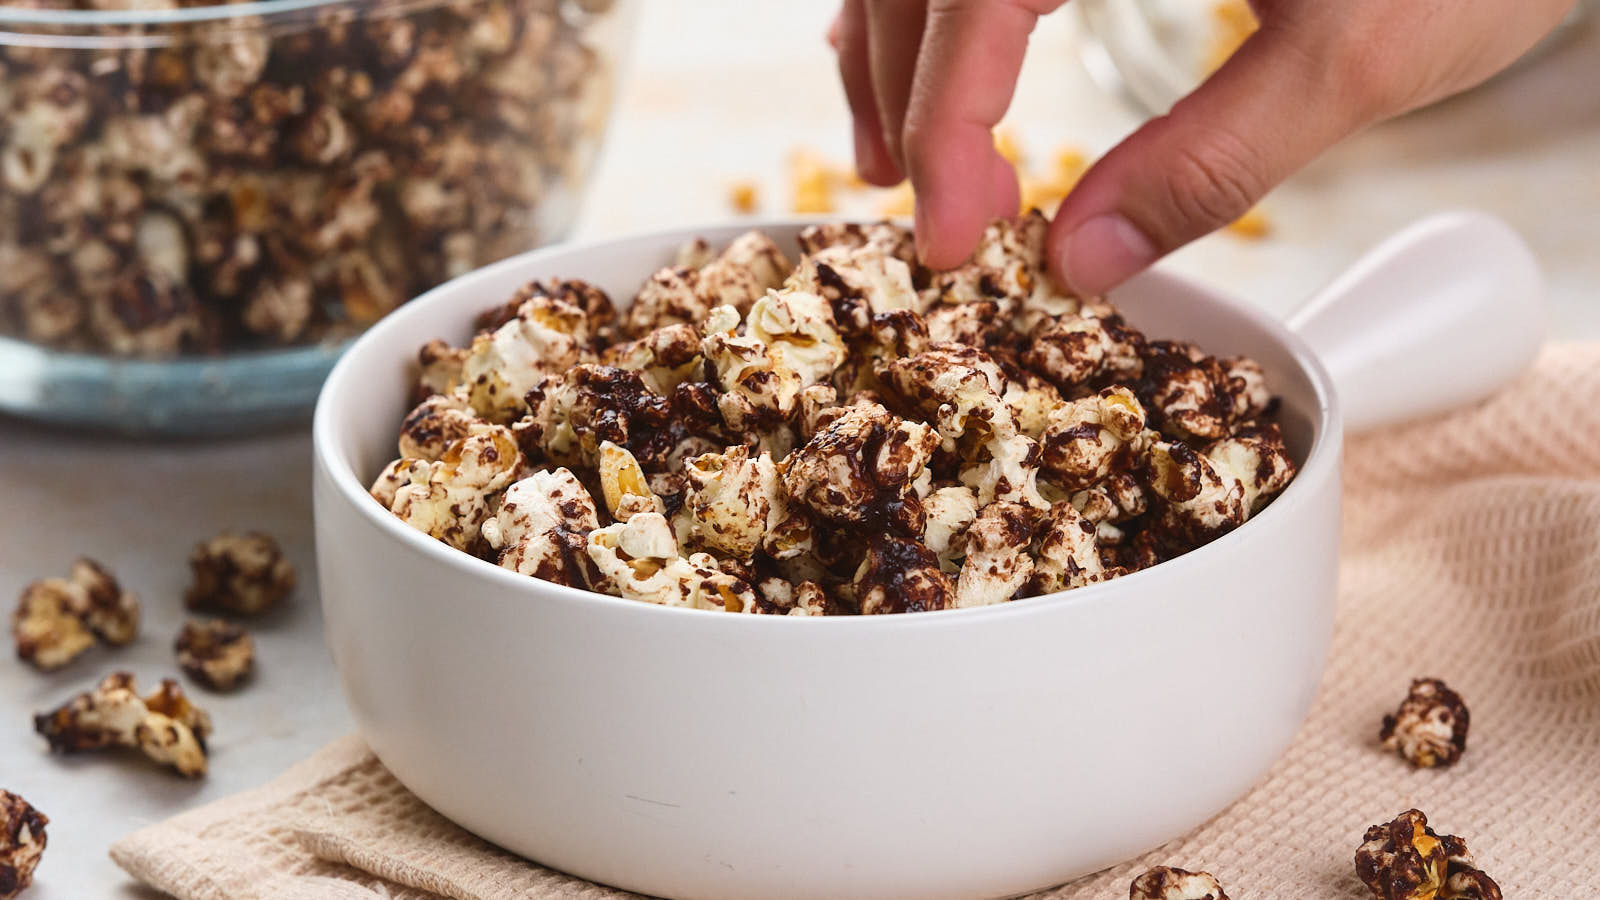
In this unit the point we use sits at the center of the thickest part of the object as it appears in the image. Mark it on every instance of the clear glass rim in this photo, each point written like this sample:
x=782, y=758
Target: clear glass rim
x=267, y=12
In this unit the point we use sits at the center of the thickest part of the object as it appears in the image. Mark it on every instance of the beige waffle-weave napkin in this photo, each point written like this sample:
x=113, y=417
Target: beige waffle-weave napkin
x=1471, y=553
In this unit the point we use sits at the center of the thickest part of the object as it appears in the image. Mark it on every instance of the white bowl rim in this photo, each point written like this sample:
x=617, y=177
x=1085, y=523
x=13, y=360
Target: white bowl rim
x=1322, y=456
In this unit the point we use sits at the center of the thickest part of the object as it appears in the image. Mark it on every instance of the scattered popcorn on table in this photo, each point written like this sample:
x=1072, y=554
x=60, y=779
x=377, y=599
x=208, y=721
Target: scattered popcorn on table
x=1430, y=727
x=58, y=619
x=163, y=725
x=219, y=655
x=818, y=186
x=847, y=433
x=743, y=196
x=1167, y=883
x=239, y=573
x=1406, y=860
x=22, y=842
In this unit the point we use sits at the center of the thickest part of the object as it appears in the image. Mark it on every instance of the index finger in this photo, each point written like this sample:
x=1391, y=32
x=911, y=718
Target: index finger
x=966, y=73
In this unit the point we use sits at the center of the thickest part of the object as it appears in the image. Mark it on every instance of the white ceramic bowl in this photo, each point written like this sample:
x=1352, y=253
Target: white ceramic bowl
x=982, y=752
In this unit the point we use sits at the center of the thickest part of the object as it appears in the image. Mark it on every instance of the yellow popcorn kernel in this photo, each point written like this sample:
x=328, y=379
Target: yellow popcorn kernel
x=1253, y=225
x=742, y=196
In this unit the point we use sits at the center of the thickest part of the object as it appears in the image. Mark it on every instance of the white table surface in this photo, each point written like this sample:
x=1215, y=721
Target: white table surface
x=1527, y=148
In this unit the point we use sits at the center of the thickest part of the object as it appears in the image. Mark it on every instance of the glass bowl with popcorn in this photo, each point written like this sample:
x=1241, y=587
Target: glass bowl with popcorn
x=201, y=203
x=671, y=563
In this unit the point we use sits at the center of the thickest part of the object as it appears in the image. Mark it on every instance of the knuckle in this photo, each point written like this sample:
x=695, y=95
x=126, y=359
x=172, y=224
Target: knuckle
x=1212, y=182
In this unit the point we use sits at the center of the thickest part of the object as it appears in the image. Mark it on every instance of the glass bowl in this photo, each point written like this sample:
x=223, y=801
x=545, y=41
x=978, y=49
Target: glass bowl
x=201, y=204
x=1154, y=52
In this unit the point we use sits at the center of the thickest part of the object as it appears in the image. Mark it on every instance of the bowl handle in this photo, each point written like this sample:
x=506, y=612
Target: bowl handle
x=1442, y=314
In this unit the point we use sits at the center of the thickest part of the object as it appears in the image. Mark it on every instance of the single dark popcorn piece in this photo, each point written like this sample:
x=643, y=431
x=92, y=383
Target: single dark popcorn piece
x=22, y=840
x=239, y=573
x=164, y=724
x=58, y=619
x=1430, y=727
x=1406, y=860
x=219, y=655
x=1168, y=883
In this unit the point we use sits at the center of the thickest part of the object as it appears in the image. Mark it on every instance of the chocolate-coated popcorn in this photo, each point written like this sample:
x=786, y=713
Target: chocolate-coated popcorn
x=846, y=434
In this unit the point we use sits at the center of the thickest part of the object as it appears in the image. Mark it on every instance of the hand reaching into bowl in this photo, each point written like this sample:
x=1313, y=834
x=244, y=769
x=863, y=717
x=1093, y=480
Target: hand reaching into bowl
x=927, y=80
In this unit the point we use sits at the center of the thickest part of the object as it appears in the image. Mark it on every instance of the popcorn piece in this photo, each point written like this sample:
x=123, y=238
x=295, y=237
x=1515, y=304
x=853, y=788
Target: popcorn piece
x=797, y=328
x=760, y=389
x=599, y=312
x=664, y=358
x=240, y=573
x=1088, y=439
x=57, y=619
x=448, y=499
x=1430, y=727
x=1068, y=554
x=734, y=498
x=548, y=336
x=1073, y=351
x=624, y=485
x=1242, y=387
x=1168, y=883
x=804, y=599
x=542, y=527
x=48, y=630
x=436, y=423
x=1008, y=267
x=670, y=297
x=997, y=563
x=861, y=461
x=1181, y=388
x=217, y=654
x=22, y=843
x=1202, y=503
x=438, y=369
x=749, y=266
x=641, y=557
x=575, y=412
x=1257, y=459
x=953, y=384
x=757, y=254
x=1406, y=860
x=396, y=475
x=164, y=725
x=887, y=237
x=899, y=576
x=858, y=283
x=950, y=511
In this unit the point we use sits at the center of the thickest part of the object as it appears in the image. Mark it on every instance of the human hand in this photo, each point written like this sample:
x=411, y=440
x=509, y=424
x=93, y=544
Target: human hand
x=927, y=80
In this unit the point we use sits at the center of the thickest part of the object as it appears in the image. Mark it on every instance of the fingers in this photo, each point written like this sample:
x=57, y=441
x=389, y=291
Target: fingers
x=894, y=37
x=965, y=75
x=1268, y=111
x=849, y=36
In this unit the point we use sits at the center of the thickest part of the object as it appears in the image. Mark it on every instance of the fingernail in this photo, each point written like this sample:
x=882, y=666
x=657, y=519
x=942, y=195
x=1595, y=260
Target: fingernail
x=1104, y=252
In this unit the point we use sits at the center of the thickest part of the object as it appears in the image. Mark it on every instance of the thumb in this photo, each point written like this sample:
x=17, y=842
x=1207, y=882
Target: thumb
x=1268, y=111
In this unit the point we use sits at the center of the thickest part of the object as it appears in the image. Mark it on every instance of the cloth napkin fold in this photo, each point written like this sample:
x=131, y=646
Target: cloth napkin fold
x=1471, y=553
